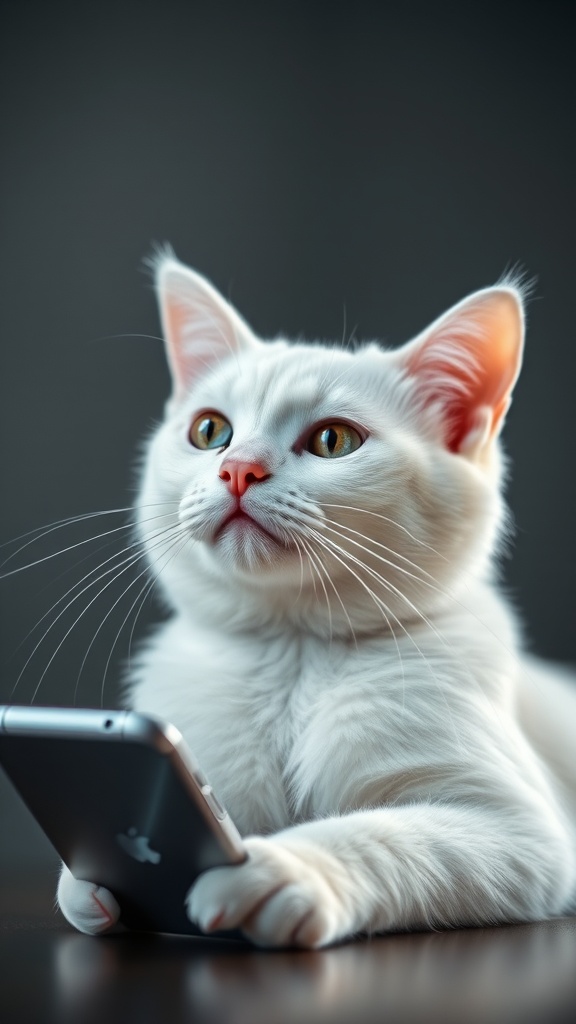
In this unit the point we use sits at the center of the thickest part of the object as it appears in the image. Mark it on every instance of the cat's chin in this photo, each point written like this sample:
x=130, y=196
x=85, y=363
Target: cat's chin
x=242, y=526
x=244, y=545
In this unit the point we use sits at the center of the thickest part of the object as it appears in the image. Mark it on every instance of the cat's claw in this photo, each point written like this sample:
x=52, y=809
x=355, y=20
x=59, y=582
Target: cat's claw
x=88, y=907
x=276, y=897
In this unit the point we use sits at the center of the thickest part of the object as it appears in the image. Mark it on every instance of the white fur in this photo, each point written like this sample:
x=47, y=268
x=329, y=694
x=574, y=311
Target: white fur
x=356, y=690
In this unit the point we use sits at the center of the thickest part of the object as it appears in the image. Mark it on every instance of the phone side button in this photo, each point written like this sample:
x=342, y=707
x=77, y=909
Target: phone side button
x=213, y=802
x=200, y=778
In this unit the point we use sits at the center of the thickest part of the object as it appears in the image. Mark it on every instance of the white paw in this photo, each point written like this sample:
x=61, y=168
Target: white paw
x=278, y=897
x=88, y=907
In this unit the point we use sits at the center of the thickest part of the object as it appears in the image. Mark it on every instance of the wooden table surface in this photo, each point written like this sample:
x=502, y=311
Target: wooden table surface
x=50, y=974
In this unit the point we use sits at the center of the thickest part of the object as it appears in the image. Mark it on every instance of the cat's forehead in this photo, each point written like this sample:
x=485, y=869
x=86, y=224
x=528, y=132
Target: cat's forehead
x=281, y=380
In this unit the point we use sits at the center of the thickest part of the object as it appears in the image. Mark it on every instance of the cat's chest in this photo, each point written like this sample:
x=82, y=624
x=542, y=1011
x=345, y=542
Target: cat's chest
x=278, y=725
x=243, y=707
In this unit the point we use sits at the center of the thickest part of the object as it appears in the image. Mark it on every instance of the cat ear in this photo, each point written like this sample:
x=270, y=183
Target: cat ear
x=199, y=326
x=466, y=365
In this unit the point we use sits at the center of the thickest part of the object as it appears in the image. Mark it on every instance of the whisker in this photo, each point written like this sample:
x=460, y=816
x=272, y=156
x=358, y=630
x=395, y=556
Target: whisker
x=153, y=583
x=127, y=334
x=44, y=531
x=61, y=522
x=146, y=590
x=117, y=554
x=387, y=519
x=334, y=588
x=101, y=547
x=174, y=542
x=393, y=565
x=76, y=565
x=433, y=586
x=382, y=607
x=70, y=520
x=322, y=584
x=301, y=587
x=71, y=547
x=314, y=572
x=131, y=562
x=443, y=640
x=392, y=589
x=127, y=563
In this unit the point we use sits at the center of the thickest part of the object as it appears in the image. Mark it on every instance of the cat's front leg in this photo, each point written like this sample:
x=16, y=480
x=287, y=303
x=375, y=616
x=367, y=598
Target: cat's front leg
x=90, y=908
x=278, y=897
x=416, y=866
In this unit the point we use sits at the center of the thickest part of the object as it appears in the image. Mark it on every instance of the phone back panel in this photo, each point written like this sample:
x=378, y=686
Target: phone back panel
x=121, y=814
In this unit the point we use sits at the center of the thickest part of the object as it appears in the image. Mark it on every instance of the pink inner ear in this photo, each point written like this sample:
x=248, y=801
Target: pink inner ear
x=460, y=407
x=200, y=327
x=175, y=320
x=469, y=360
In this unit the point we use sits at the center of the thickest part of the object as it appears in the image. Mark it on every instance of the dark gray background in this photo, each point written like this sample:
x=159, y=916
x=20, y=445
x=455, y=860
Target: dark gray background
x=329, y=167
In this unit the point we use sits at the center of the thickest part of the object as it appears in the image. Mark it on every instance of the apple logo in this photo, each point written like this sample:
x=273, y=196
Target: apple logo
x=137, y=846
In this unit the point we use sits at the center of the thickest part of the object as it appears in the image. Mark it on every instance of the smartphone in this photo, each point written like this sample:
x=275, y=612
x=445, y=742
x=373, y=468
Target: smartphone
x=124, y=803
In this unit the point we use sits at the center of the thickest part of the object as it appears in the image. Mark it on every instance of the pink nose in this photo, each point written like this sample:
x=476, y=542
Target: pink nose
x=239, y=475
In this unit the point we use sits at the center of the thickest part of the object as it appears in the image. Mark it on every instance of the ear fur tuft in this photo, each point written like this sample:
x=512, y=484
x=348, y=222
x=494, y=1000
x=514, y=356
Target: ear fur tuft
x=161, y=252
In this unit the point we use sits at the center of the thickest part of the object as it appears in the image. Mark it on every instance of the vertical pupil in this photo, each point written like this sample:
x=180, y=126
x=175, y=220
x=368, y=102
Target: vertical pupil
x=209, y=427
x=331, y=439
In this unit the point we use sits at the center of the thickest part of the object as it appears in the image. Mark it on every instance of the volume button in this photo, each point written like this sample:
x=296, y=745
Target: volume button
x=213, y=802
x=200, y=778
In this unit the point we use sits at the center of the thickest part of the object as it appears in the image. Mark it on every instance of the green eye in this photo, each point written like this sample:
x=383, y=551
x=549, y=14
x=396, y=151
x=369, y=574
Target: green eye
x=334, y=440
x=210, y=430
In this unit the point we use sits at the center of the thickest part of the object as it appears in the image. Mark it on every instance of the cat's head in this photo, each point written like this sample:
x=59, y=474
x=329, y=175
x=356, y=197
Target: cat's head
x=346, y=489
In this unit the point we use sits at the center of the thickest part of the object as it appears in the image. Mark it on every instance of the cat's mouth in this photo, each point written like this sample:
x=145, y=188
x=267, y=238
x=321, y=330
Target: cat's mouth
x=240, y=520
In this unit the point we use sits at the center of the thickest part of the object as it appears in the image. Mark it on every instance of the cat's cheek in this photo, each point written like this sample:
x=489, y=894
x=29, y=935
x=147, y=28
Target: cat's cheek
x=275, y=898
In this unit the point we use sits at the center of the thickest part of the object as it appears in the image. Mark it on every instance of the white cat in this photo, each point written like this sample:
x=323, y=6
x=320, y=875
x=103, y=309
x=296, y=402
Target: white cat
x=339, y=657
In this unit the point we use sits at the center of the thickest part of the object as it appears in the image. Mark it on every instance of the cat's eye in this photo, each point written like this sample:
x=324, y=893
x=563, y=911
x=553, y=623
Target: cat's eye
x=334, y=440
x=210, y=430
